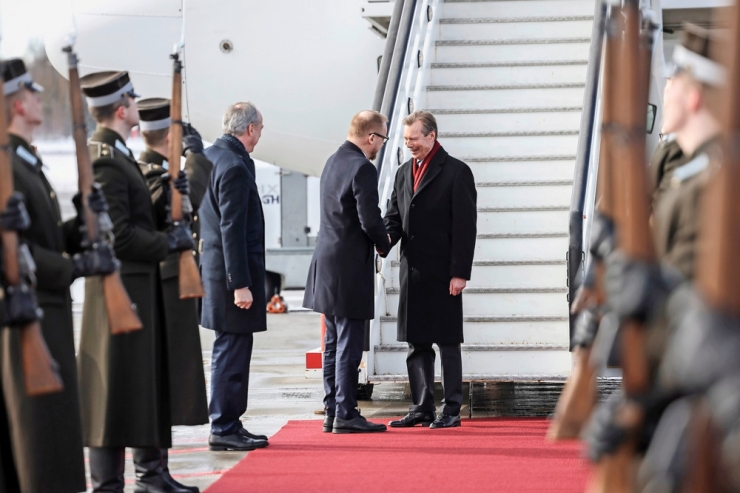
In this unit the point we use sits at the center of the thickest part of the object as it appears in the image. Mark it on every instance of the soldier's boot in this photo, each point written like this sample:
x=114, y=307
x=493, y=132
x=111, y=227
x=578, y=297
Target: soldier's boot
x=106, y=469
x=149, y=475
x=168, y=476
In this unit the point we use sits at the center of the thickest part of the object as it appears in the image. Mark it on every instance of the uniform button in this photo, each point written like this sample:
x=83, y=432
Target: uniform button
x=53, y=195
x=411, y=268
x=59, y=223
x=412, y=237
x=413, y=205
x=195, y=235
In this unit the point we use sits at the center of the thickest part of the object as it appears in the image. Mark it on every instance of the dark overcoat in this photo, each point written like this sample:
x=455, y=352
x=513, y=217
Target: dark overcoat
x=437, y=229
x=188, y=401
x=677, y=216
x=341, y=277
x=124, y=381
x=46, y=431
x=233, y=238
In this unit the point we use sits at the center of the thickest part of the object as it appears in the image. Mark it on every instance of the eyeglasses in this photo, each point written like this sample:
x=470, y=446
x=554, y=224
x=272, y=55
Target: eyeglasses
x=384, y=137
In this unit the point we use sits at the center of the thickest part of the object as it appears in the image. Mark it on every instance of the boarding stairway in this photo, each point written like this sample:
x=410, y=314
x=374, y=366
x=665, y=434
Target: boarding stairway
x=505, y=80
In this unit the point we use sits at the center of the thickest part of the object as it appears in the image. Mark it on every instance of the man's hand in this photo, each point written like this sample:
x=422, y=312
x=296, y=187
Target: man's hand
x=243, y=298
x=15, y=216
x=457, y=284
x=378, y=249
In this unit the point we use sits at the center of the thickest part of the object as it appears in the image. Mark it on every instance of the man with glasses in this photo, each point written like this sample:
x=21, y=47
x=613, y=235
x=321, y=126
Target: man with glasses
x=340, y=281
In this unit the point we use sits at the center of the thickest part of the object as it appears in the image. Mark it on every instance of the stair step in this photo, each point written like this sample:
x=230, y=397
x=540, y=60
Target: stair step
x=500, y=20
x=503, y=301
x=510, y=145
x=506, y=275
x=509, y=64
x=507, y=170
x=503, y=87
x=545, y=361
x=493, y=28
x=524, y=194
x=513, y=76
x=521, y=246
x=510, y=41
x=511, y=50
x=523, y=220
x=534, y=97
x=516, y=9
x=513, y=122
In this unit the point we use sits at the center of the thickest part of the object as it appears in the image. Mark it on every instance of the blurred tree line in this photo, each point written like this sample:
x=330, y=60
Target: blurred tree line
x=57, y=109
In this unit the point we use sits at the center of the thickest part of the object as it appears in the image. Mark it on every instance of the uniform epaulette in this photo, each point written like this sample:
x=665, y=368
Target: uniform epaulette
x=100, y=150
x=692, y=168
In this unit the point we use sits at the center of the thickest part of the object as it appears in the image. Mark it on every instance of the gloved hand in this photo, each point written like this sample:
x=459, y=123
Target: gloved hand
x=95, y=201
x=180, y=238
x=635, y=290
x=181, y=182
x=602, y=236
x=191, y=140
x=15, y=216
x=586, y=327
x=100, y=260
x=21, y=305
x=603, y=434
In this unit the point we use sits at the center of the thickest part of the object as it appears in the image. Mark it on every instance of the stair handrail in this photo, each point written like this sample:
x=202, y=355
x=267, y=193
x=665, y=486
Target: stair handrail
x=408, y=76
x=585, y=157
x=388, y=52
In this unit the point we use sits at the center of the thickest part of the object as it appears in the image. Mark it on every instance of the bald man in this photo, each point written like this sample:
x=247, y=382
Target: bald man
x=340, y=280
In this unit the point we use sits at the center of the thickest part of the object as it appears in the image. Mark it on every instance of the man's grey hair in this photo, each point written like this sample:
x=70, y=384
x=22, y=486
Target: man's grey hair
x=428, y=122
x=239, y=117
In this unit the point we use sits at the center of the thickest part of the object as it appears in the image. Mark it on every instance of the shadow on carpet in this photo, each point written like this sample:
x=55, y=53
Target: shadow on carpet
x=494, y=454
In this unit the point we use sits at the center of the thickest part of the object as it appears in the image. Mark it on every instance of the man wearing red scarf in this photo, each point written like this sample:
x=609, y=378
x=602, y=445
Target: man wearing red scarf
x=433, y=214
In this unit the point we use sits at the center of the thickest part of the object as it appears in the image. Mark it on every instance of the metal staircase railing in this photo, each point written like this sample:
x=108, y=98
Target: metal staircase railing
x=584, y=176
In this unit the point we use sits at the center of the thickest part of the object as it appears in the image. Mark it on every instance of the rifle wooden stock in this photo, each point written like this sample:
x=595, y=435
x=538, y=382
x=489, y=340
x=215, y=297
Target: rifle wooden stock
x=704, y=468
x=122, y=316
x=578, y=399
x=40, y=371
x=616, y=472
x=190, y=282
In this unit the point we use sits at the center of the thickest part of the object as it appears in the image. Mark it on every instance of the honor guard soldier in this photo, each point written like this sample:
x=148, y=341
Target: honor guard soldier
x=124, y=378
x=687, y=115
x=46, y=430
x=188, y=402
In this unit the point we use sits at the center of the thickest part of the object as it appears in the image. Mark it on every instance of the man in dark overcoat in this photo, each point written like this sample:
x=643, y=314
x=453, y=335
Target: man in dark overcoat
x=232, y=266
x=46, y=430
x=432, y=213
x=124, y=378
x=188, y=402
x=341, y=277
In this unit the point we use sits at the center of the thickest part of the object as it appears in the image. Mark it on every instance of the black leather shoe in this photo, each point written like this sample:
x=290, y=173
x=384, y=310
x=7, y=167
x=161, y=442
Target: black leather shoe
x=413, y=419
x=446, y=421
x=234, y=442
x=156, y=484
x=328, y=424
x=356, y=425
x=165, y=465
x=245, y=433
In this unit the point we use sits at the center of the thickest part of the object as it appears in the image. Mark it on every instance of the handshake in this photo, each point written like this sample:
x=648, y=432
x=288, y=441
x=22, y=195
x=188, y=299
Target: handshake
x=383, y=254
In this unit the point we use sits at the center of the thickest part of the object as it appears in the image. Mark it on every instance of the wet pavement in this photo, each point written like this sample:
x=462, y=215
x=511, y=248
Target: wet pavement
x=279, y=391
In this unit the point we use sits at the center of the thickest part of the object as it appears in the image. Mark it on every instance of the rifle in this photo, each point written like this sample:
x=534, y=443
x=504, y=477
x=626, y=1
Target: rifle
x=615, y=472
x=577, y=401
x=190, y=282
x=122, y=316
x=41, y=372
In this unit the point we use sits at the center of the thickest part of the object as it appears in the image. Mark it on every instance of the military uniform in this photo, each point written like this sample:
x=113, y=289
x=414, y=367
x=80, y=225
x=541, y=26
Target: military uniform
x=667, y=157
x=46, y=431
x=124, y=378
x=677, y=216
x=188, y=401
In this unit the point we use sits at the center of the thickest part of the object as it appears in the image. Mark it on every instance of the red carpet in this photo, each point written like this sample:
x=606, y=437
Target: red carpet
x=501, y=455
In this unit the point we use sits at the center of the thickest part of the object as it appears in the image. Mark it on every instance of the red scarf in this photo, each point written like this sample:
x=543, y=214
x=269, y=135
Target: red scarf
x=421, y=169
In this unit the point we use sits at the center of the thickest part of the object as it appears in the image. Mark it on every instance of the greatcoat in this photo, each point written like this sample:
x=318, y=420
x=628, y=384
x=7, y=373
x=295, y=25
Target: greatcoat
x=188, y=401
x=437, y=229
x=124, y=380
x=340, y=279
x=46, y=431
x=233, y=238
